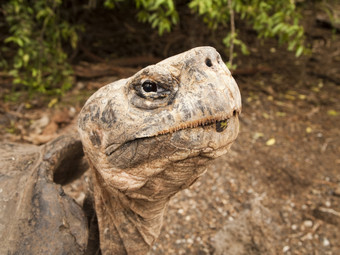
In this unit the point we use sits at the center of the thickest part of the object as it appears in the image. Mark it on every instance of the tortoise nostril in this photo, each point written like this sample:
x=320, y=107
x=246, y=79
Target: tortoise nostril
x=234, y=113
x=208, y=62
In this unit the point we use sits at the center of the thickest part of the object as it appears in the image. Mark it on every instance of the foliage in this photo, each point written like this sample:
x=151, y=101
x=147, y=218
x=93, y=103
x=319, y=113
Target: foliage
x=37, y=33
x=161, y=14
x=271, y=18
x=110, y=4
x=332, y=13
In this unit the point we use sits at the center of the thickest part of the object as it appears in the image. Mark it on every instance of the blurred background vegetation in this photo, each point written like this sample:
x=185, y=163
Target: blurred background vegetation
x=40, y=38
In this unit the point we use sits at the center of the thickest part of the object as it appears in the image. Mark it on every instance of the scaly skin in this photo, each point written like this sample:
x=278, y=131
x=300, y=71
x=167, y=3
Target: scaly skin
x=151, y=135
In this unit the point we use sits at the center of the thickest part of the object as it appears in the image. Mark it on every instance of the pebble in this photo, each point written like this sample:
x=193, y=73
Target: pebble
x=316, y=192
x=309, y=236
x=308, y=223
x=190, y=241
x=220, y=210
x=180, y=211
x=80, y=85
x=328, y=204
x=294, y=227
x=325, y=242
x=181, y=251
x=286, y=248
x=72, y=111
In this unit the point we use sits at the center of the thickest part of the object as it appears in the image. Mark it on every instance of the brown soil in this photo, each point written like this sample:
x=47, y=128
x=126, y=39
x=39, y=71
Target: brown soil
x=278, y=190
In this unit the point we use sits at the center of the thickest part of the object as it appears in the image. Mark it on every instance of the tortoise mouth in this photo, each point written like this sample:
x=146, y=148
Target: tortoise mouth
x=216, y=123
x=221, y=123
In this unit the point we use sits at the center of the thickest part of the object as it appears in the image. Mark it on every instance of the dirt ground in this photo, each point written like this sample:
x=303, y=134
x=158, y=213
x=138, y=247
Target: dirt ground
x=278, y=190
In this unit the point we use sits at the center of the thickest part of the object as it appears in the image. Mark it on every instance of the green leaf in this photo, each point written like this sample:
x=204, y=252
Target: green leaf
x=17, y=64
x=15, y=40
x=278, y=28
x=26, y=58
x=299, y=51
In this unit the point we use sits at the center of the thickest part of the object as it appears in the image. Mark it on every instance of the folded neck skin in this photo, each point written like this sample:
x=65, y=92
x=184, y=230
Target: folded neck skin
x=151, y=135
x=131, y=220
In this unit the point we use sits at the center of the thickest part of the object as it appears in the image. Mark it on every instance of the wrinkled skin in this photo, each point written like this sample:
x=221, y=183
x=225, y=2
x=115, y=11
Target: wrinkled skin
x=151, y=135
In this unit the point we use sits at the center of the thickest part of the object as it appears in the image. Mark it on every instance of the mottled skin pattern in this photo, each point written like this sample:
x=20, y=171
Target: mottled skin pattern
x=151, y=135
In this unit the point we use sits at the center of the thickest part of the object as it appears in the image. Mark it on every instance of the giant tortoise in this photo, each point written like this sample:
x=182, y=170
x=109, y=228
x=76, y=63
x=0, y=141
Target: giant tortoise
x=144, y=138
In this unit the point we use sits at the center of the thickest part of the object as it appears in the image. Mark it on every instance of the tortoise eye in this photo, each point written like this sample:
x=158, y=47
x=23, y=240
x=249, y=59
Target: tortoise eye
x=151, y=90
x=149, y=86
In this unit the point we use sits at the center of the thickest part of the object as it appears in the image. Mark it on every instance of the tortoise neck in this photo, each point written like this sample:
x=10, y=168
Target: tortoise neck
x=126, y=225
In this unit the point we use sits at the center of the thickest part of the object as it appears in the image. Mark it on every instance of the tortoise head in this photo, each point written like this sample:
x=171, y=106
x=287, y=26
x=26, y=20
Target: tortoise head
x=184, y=106
x=150, y=135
